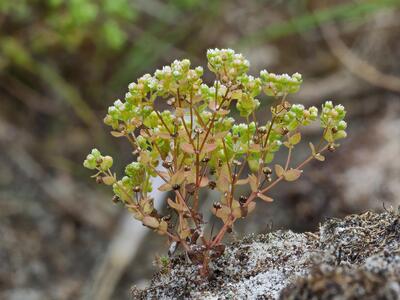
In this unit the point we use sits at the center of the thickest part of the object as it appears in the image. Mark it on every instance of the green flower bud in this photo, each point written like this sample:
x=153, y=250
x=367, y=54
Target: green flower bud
x=341, y=134
x=90, y=162
x=135, y=172
x=342, y=125
x=96, y=153
x=106, y=163
x=151, y=120
x=279, y=85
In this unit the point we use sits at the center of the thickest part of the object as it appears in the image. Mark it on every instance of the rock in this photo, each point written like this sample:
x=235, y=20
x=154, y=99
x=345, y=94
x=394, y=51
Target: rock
x=351, y=258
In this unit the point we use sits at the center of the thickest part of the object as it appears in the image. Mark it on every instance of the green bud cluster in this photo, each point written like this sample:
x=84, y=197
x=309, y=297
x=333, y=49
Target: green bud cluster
x=332, y=120
x=96, y=160
x=279, y=85
x=227, y=64
x=298, y=115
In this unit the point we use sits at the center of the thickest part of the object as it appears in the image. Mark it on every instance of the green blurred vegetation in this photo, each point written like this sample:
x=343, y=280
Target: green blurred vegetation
x=65, y=61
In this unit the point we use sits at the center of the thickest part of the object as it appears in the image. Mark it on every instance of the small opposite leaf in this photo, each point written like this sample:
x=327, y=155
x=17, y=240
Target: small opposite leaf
x=178, y=177
x=292, y=174
x=242, y=181
x=204, y=181
x=212, y=105
x=150, y=222
x=174, y=205
x=162, y=228
x=264, y=197
x=279, y=170
x=253, y=182
x=328, y=136
x=163, y=135
x=295, y=139
x=319, y=157
x=220, y=135
x=117, y=134
x=209, y=147
x=179, y=112
x=251, y=207
x=165, y=187
x=287, y=144
x=312, y=148
x=108, y=180
x=223, y=183
x=186, y=147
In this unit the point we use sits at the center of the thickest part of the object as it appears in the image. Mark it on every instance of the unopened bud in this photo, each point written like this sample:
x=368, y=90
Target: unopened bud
x=116, y=199
x=242, y=199
x=205, y=159
x=212, y=184
x=331, y=148
x=167, y=164
x=267, y=171
x=237, y=163
x=217, y=205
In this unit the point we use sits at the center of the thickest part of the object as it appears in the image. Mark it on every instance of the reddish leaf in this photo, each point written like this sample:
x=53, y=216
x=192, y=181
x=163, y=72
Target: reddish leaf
x=150, y=222
x=279, y=170
x=242, y=181
x=178, y=177
x=253, y=182
x=117, y=134
x=174, y=205
x=204, y=181
x=264, y=197
x=223, y=183
x=292, y=174
x=188, y=148
x=209, y=147
x=165, y=187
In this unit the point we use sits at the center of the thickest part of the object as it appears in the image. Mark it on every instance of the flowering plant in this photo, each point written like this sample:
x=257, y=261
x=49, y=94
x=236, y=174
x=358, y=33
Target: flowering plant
x=196, y=144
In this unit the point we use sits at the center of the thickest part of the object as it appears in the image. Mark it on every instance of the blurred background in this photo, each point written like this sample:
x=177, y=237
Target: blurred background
x=63, y=62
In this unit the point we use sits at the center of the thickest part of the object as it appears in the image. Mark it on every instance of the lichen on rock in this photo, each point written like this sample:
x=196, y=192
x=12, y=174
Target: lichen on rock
x=356, y=257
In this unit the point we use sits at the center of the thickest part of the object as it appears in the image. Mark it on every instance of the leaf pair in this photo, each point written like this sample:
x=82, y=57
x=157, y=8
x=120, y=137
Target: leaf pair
x=176, y=179
x=288, y=175
x=227, y=214
x=317, y=156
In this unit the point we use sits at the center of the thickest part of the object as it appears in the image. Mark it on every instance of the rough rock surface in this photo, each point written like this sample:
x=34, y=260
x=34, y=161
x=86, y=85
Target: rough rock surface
x=354, y=258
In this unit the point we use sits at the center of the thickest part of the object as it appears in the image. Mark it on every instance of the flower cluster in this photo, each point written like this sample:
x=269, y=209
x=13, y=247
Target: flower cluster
x=196, y=144
x=332, y=120
x=96, y=160
x=227, y=64
x=279, y=85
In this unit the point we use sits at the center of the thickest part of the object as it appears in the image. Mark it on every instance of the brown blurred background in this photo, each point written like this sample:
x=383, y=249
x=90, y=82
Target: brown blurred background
x=62, y=63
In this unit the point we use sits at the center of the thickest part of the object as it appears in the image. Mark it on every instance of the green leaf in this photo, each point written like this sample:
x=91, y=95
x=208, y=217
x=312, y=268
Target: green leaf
x=295, y=139
x=328, y=136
